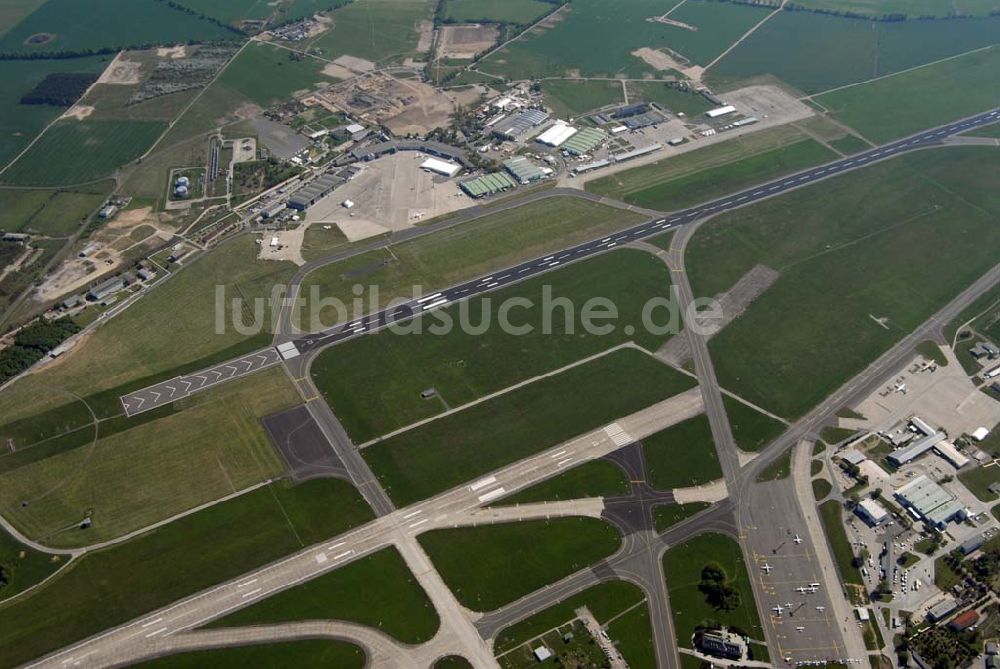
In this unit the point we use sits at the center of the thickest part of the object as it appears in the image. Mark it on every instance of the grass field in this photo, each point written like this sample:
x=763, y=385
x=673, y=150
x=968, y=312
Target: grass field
x=865, y=233
x=19, y=124
x=821, y=488
x=781, y=468
x=133, y=478
x=178, y=559
x=924, y=97
x=689, y=103
x=978, y=481
x=979, y=315
x=13, y=11
x=715, y=182
x=378, y=30
x=816, y=52
x=447, y=257
x=234, y=11
x=475, y=561
x=666, y=516
x=682, y=455
x=24, y=567
x=464, y=365
x=647, y=178
x=849, y=144
x=910, y=8
x=510, y=11
x=597, y=478
x=682, y=565
x=832, y=514
x=265, y=74
x=54, y=213
x=992, y=130
x=751, y=429
x=314, y=653
x=378, y=591
x=75, y=152
x=452, y=662
x=456, y=448
x=77, y=26
x=620, y=27
x=567, y=97
x=170, y=327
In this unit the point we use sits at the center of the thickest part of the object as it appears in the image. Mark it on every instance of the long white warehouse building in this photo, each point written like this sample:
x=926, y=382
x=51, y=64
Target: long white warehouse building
x=557, y=134
x=441, y=167
x=720, y=111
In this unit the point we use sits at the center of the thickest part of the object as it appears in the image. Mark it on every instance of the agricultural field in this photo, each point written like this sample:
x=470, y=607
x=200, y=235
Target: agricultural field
x=381, y=31
x=817, y=52
x=682, y=455
x=377, y=590
x=597, y=478
x=67, y=25
x=178, y=559
x=683, y=565
x=866, y=233
x=716, y=182
x=459, y=253
x=77, y=152
x=461, y=366
x=720, y=158
x=210, y=446
x=19, y=123
x=568, y=97
x=314, y=653
x=150, y=341
x=565, y=45
x=53, y=213
x=922, y=98
x=426, y=460
x=520, y=12
x=264, y=74
x=12, y=11
x=232, y=12
x=910, y=8
x=476, y=565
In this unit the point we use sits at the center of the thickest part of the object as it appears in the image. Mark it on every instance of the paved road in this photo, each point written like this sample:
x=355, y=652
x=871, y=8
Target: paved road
x=409, y=309
x=182, y=386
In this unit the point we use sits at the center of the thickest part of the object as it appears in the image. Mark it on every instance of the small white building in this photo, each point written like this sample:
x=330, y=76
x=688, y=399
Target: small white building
x=720, y=111
x=542, y=653
x=447, y=168
x=871, y=512
x=980, y=434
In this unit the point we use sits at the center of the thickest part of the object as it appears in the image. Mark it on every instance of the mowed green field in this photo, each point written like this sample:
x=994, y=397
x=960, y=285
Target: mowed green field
x=911, y=8
x=213, y=446
x=715, y=182
x=656, y=177
x=104, y=588
x=832, y=515
x=378, y=591
x=992, y=131
x=19, y=124
x=597, y=37
x=80, y=26
x=265, y=74
x=24, y=567
x=54, y=213
x=464, y=365
x=447, y=257
x=894, y=241
x=339, y=654
x=172, y=326
x=475, y=561
x=919, y=98
x=567, y=97
x=752, y=430
x=597, y=478
x=77, y=152
x=683, y=564
x=459, y=447
x=817, y=52
x=682, y=455
x=381, y=31
x=509, y=11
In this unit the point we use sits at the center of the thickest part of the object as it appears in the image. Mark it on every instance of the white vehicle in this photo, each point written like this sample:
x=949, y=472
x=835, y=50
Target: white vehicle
x=864, y=572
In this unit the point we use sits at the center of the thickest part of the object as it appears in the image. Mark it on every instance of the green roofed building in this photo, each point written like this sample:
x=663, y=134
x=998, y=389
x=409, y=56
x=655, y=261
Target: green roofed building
x=584, y=141
x=488, y=184
x=523, y=169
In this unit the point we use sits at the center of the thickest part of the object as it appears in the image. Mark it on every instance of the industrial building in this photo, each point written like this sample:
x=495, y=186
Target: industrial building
x=631, y=110
x=947, y=450
x=722, y=644
x=523, y=170
x=650, y=118
x=487, y=184
x=513, y=127
x=852, y=456
x=870, y=511
x=311, y=193
x=556, y=134
x=584, y=141
x=443, y=167
x=984, y=349
x=437, y=149
x=941, y=610
x=901, y=456
x=928, y=501
x=106, y=288
x=720, y=111
x=972, y=545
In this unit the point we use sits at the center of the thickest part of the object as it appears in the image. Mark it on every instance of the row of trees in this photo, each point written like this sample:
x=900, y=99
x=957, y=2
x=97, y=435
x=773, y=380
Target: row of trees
x=32, y=343
x=60, y=89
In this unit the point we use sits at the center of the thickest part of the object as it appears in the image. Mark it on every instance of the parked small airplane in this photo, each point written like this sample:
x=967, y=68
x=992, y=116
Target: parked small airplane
x=821, y=608
x=778, y=610
x=798, y=539
x=766, y=568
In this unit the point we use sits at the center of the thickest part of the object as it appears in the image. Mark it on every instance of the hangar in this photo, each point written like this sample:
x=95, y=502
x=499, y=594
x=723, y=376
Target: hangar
x=557, y=134
x=439, y=166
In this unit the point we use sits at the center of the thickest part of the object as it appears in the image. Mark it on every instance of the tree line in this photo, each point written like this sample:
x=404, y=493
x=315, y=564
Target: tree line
x=33, y=343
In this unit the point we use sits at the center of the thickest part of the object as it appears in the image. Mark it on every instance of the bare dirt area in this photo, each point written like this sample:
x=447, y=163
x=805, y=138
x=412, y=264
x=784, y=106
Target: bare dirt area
x=465, y=41
x=121, y=72
x=175, y=52
x=78, y=112
x=283, y=245
x=664, y=61
x=671, y=22
x=355, y=64
x=401, y=105
x=335, y=71
x=391, y=193
x=426, y=39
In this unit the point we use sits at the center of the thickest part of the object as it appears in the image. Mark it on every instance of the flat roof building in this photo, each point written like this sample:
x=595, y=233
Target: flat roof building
x=947, y=450
x=487, y=184
x=901, y=456
x=523, y=170
x=314, y=191
x=941, y=610
x=722, y=644
x=720, y=111
x=930, y=502
x=444, y=167
x=871, y=512
x=853, y=456
x=106, y=288
x=584, y=141
x=556, y=134
x=515, y=126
